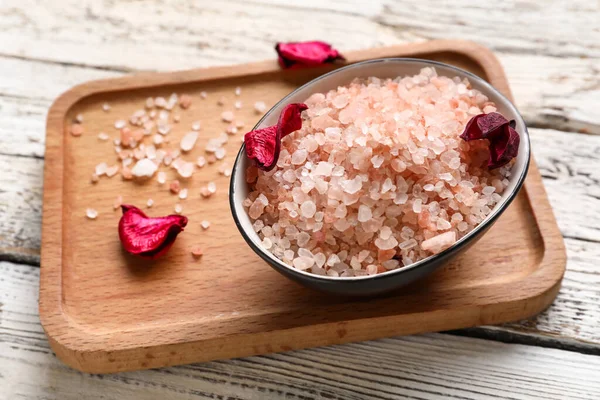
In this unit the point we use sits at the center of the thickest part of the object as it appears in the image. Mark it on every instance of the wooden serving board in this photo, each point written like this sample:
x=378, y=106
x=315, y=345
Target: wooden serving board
x=104, y=311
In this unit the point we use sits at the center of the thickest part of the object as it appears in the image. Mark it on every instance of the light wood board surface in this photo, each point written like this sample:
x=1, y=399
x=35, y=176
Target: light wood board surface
x=549, y=51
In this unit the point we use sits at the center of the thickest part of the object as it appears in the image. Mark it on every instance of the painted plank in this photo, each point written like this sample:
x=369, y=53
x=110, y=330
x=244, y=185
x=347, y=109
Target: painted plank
x=431, y=366
x=20, y=208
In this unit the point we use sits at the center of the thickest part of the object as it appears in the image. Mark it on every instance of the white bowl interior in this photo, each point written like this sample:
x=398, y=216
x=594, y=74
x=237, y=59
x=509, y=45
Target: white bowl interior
x=382, y=68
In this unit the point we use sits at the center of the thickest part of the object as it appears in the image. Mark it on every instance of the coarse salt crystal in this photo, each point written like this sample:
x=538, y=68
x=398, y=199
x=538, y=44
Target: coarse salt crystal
x=227, y=116
x=117, y=203
x=91, y=213
x=196, y=125
x=220, y=153
x=205, y=224
x=162, y=177
x=201, y=162
x=185, y=169
x=101, y=169
x=183, y=193
x=106, y=107
x=150, y=203
x=76, y=130
x=178, y=208
x=144, y=168
x=120, y=124
x=238, y=104
x=260, y=107
x=197, y=251
x=212, y=187
x=112, y=171
x=189, y=141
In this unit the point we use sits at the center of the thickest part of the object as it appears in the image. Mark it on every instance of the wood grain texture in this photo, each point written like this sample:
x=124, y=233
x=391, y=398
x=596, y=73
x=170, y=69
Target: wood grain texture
x=125, y=316
x=431, y=366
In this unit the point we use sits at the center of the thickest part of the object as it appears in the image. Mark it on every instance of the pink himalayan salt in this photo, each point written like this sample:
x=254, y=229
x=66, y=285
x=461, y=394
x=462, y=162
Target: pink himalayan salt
x=377, y=177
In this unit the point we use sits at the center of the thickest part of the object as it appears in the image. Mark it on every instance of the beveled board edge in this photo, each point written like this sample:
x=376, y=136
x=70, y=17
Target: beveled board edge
x=91, y=352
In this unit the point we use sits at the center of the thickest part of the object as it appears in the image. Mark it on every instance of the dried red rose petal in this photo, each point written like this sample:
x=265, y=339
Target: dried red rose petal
x=263, y=145
x=306, y=54
x=503, y=147
x=148, y=237
x=483, y=125
x=503, y=139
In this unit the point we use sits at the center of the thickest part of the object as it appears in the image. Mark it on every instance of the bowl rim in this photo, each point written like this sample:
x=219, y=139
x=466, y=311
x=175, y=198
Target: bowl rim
x=465, y=240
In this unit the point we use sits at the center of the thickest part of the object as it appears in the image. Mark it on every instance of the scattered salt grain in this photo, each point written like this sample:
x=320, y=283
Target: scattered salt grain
x=150, y=203
x=189, y=141
x=196, y=125
x=76, y=130
x=160, y=102
x=91, y=213
x=185, y=101
x=238, y=104
x=212, y=187
x=120, y=124
x=175, y=187
x=112, y=171
x=144, y=168
x=106, y=107
x=183, y=193
x=260, y=107
x=197, y=252
x=117, y=203
x=79, y=118
x=201, y=162
x=161, y=177
x=178, y=208
x=185, y=169
x=101, y=169
x=238, y=91
x=205, y=224
x=227, y=116
x=103, y=136
x=203, y=95
x=157, y=140
x=220, y=153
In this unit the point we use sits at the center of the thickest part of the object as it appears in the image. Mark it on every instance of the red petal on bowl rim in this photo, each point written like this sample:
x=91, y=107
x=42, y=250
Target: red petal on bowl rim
x=503, y=147
x=148, y=237
x=503, y=139
x=263, y=145
x=306, y=54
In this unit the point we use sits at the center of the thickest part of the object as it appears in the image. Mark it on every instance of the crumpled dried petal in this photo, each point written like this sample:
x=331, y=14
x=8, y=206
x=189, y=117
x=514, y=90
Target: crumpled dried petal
x=503, y=139
x=263, y=145
x=503, y=147
x=306, y=54
x=148, y=237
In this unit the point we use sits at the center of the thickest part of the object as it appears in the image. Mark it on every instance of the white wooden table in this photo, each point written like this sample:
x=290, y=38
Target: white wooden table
x=551, y=53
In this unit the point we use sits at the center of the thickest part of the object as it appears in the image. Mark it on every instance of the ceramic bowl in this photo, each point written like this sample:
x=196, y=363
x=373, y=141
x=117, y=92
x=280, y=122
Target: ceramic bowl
x=394, y=279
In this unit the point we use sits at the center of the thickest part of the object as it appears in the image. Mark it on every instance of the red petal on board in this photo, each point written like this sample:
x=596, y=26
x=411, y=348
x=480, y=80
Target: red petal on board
x=263, y=145
x=306, y=54
x=148, y=237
